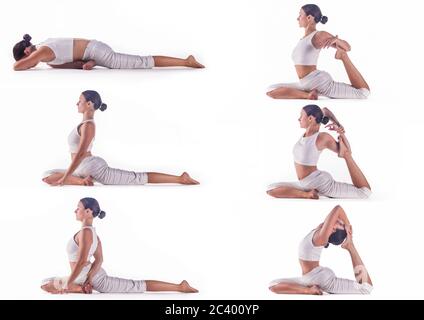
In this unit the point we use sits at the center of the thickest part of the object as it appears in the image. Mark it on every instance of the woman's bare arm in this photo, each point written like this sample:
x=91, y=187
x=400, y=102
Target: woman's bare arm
x=326, y=141
x=330, y=115
x=321, y=237
x=323, y=39
x=97, y=264
x=31, y=61
x=87, y=134
x=85, y=239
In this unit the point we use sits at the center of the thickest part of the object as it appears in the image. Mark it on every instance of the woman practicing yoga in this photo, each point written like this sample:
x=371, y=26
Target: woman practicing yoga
x=315, y=279
x=85, y=167
x=313, y=182
x=73, y=53
x=313, y=82
x=86, y=275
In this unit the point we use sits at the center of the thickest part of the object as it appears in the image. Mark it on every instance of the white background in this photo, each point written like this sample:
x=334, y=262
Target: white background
x=226, y=236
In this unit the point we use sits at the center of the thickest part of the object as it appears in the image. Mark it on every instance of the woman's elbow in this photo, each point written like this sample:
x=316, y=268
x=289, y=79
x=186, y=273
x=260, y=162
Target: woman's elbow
x=17, y=67
x=338, y=208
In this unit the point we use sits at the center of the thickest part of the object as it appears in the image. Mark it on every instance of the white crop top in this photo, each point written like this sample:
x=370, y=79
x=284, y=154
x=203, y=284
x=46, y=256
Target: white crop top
x=305, y=53
x=305, y=151
x=72, y=247
x=63, y=49
x=307, y=250
x=74, y=139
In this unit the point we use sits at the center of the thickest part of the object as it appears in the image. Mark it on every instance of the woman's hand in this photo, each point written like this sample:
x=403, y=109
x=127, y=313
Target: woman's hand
x=88, y=181
x=314, y=290
x=335, y=42
x=60, y=182
x=348, y=243
x=87, y=288
x=331, y=42
x=335, y=127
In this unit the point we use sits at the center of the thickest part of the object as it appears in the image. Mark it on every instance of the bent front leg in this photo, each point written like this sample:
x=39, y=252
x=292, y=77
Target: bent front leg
x=292, y=93
x=53, y=178
x=288, y=191
x=54, y=286
x=294, y=288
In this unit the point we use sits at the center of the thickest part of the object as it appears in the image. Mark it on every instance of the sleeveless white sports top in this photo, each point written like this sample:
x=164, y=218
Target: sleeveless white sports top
x=305, y=151
x=63, y=49
x=305, y=53
x=307, y=250
x=72, y=247
x=74, y=139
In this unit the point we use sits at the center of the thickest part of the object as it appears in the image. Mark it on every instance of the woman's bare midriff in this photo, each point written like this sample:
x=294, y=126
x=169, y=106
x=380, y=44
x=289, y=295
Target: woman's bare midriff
x=303, y=71
x=308, y=266
x=87, y=154
x=303, y=171
x=79, y=48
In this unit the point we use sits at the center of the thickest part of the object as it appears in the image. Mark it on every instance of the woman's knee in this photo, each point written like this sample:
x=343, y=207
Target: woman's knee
x=364, y=93
x=366, y=288
x=365, y=193
x=273, y=193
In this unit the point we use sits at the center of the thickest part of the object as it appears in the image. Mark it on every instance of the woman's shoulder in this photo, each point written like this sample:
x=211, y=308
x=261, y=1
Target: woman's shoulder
x=320, y=37
x=87, y=124
x=87, y=233
x=323, y=138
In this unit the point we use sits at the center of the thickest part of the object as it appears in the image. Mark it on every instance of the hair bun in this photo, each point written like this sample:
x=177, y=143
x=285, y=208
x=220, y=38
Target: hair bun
x=324, y=19
x=27, y=37
x=103, y=107
x=325, y=120
x=101, y=214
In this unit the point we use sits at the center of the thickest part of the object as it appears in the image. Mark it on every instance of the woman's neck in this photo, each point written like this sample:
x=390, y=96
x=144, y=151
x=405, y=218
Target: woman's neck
x=311, y=130
x=309, y=29
x=88, y=116
x=87, y=223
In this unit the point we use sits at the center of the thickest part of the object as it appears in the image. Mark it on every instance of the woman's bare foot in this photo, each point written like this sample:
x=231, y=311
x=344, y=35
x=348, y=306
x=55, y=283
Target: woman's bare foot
x=343, y=149
x=186, y=179
x=90, y=64
x=87, y=288
x=192, y=62
x=313, y=194
x=340, y=54
x=315, y=290
x=186, y=288
x=74, y=288
x=313, y=95
x=88, y=181
x=50, y=288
